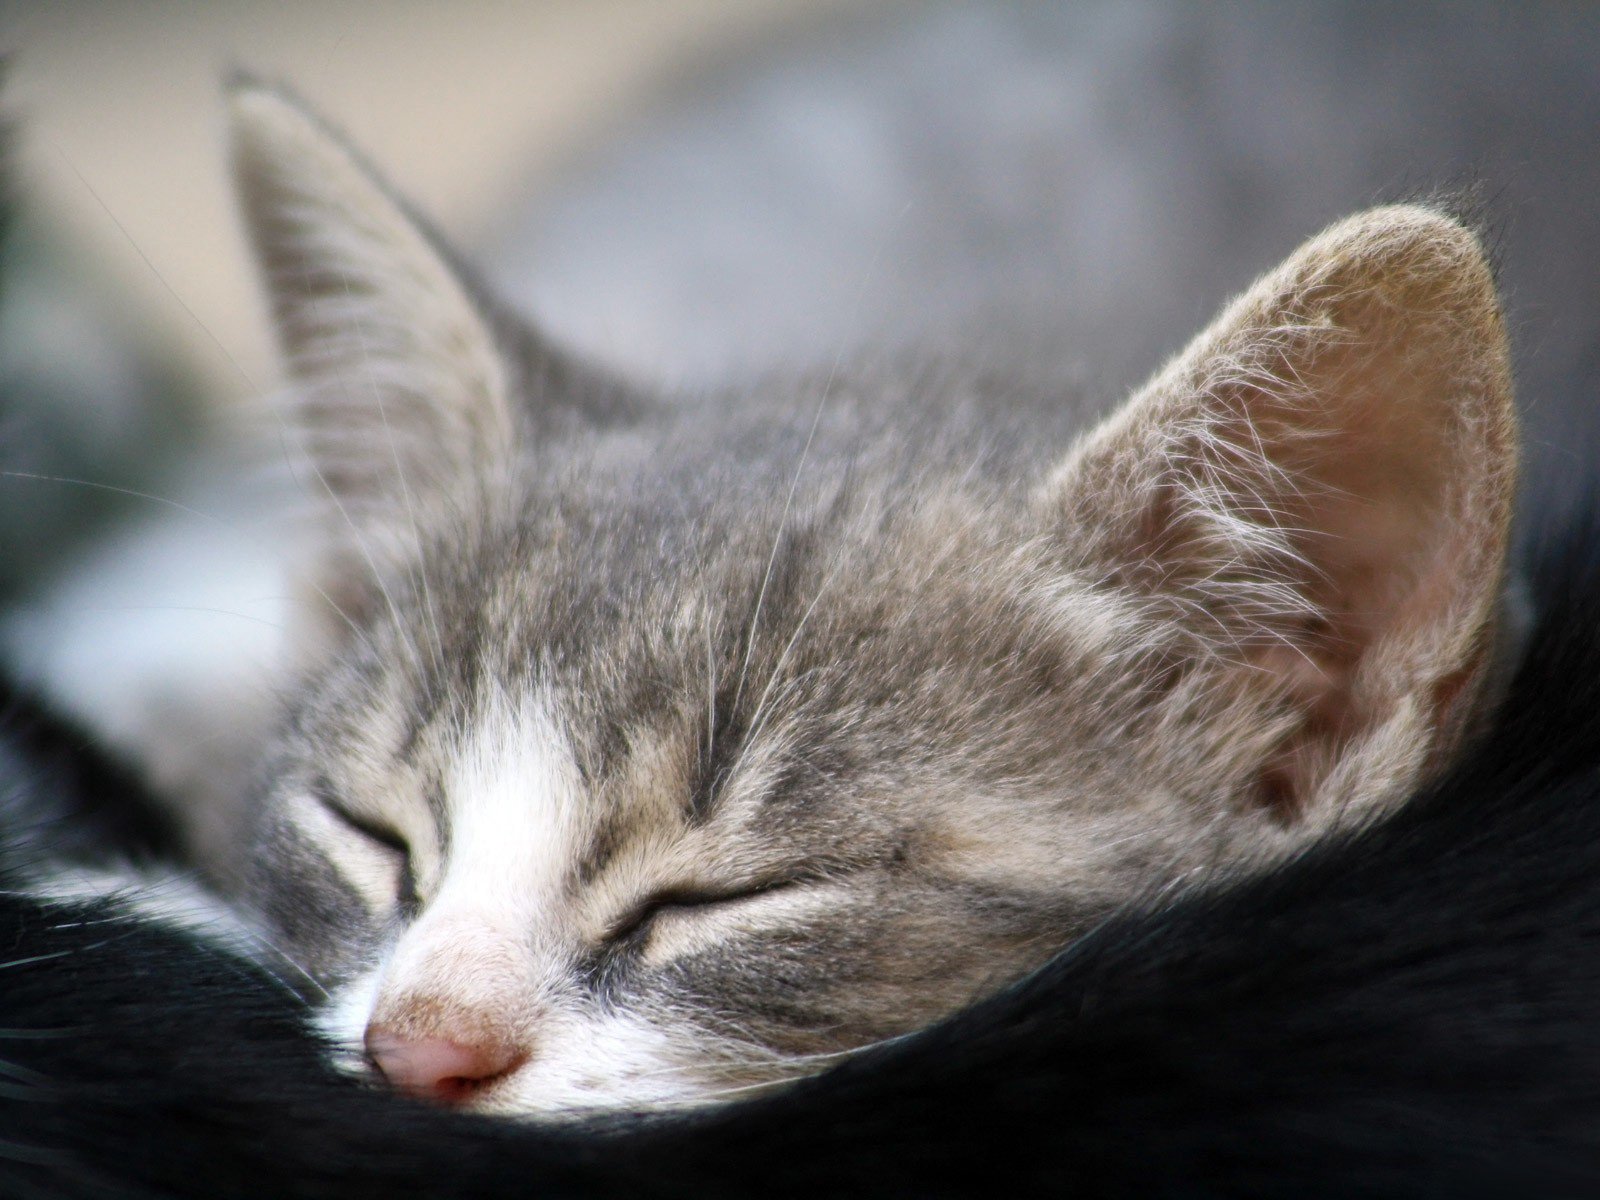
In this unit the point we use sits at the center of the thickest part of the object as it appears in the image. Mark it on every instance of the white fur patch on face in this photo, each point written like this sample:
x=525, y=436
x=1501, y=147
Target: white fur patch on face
x=515, y=815
x=487, y=955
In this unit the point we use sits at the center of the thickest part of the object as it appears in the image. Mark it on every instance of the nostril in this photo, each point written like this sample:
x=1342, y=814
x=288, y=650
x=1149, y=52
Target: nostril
x=438, y=1069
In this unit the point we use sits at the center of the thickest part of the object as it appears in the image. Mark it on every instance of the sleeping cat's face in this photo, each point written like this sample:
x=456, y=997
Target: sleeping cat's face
x=589, y=798
x=658, y=749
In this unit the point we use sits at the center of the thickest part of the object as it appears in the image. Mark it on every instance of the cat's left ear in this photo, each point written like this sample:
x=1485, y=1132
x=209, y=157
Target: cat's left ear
x=1310, y=507
x=400, y=384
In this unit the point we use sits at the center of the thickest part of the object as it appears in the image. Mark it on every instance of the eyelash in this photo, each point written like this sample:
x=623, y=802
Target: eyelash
x=639, y=920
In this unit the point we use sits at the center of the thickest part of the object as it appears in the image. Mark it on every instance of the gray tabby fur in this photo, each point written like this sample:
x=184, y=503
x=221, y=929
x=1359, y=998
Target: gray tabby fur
x=675, y=745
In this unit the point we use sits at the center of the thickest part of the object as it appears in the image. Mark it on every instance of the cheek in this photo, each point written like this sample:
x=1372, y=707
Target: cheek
x=317, y=919
x=847, y=976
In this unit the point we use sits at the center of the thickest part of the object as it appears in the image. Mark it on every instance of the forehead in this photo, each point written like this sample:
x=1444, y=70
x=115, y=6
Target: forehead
x=855, y=643
x=689, y=625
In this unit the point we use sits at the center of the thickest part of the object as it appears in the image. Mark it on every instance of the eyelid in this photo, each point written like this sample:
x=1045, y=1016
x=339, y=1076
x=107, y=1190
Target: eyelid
x=407, y=896
x=382, y=834
x=646, y=911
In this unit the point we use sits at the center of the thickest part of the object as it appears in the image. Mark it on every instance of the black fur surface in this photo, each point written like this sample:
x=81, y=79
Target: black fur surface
x=59, y=789
x=1411, y=1012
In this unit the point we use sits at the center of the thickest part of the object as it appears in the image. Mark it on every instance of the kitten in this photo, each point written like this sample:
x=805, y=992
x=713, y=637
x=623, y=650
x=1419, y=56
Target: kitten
x=654, y=749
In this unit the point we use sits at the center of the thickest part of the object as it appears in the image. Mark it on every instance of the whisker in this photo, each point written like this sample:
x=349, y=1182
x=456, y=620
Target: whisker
x=177, y=608
x=253, y=387
x=711, y=692
x=758, y=720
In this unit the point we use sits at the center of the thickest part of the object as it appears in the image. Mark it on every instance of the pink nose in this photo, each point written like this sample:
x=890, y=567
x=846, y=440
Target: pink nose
x=436, y=1069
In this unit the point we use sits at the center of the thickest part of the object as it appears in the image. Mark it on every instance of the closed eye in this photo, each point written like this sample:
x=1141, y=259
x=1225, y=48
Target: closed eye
x=388, y=839
x=638, y=919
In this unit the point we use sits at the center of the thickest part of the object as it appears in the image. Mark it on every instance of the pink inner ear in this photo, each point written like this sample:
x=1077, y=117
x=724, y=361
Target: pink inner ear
x=1317, y=683
x=1400, y=526
x=1370, y=523
x=1321, y=483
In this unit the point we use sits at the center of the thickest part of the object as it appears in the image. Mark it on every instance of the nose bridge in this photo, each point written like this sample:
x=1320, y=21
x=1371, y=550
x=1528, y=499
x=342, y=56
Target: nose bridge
x=486, y=952
x=459, y=1006
x=512, y=795
x=461, y=977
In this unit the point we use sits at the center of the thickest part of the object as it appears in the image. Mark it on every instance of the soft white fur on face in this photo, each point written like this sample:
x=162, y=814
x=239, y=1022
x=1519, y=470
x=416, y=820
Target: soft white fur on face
x=342, y=1019
x=488, y=941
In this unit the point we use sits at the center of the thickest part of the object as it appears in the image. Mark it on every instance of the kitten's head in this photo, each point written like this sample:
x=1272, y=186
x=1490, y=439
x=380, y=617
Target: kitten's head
x=654, y=749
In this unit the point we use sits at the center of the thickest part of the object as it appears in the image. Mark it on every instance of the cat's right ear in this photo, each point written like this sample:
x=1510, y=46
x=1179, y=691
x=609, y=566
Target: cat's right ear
x=401, y=405
x=1313, y=501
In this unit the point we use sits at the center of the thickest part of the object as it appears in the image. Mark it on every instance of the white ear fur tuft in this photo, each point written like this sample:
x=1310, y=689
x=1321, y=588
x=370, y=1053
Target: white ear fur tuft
x=1318, y=492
